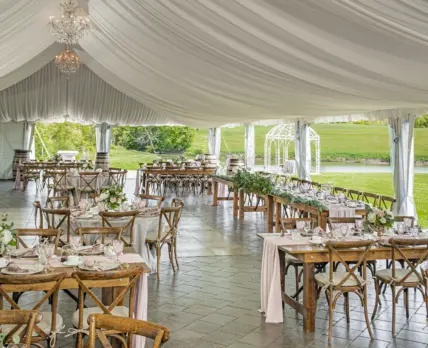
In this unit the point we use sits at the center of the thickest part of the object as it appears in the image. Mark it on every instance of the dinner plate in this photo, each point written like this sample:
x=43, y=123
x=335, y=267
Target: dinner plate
x=315, y=242
x=67, y=264
x=32, y=269
x=101, y=267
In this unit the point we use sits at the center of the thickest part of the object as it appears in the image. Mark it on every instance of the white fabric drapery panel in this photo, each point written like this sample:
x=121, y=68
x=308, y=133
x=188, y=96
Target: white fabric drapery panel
x=208, y=63
x=214, y=141
x=401, y=131
x=43, y=96
x=28, y=135
x=103, y=137
x=250, y=146
x=11, y=138
x=302, y=150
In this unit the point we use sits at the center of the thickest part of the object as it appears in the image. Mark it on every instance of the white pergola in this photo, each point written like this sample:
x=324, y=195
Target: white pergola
x=279, y=139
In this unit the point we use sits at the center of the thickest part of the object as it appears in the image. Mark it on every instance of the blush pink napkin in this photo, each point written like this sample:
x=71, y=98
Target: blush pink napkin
x=271, y=297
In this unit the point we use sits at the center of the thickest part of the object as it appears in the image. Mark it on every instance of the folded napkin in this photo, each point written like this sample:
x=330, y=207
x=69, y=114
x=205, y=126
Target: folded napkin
x=96, y=248
x=31, y=252
x=152, y=211
x=13, y=267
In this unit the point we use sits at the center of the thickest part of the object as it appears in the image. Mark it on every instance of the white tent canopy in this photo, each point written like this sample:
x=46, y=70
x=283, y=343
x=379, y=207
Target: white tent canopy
x=207, y=63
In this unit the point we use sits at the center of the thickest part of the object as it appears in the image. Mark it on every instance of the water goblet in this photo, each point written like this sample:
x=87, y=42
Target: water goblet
x=300, y=225
x=118, y=248
x=75, y=242
x=401, y=229
x=407, y=224
x=359, y=225
x=343, y=229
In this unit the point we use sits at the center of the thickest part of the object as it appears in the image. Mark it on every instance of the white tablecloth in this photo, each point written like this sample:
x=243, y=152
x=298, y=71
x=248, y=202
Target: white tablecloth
x=74, y=180
x=142, y=225
x=270, y=285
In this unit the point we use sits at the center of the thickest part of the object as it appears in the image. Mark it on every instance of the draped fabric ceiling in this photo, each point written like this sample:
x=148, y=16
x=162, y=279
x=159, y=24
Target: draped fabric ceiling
x=211, y=62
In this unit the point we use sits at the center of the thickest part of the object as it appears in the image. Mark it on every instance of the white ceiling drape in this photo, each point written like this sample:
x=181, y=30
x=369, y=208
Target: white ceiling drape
x=211, y=62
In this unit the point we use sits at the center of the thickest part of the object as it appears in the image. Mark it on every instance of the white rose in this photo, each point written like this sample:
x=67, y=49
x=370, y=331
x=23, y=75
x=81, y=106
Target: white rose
x=371, y=217
x=103, y=197
x=7, y=237
x=112, y=200
x=383, y=221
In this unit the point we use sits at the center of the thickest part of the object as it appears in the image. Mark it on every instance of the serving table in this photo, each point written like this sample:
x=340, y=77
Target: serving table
x=216, y=181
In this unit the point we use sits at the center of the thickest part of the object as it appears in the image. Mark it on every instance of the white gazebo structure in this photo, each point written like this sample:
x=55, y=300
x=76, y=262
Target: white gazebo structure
x=278, y=140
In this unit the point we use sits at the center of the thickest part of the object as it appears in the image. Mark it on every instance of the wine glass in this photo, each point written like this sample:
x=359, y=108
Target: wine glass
x=300, y=225
x=401, y=228
x=407, y=224
x=343, y=229
x=118, y=248
x=49, y=251
x=359, y=225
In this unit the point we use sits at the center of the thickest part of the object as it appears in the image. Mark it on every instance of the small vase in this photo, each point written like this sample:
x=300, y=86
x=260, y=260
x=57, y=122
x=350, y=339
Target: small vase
x=380, y=230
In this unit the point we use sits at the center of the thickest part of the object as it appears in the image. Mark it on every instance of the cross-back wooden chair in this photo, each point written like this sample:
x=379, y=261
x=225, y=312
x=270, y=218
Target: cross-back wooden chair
x=80, y=317
x=58, y=219
x=22, y=318
x=338, y=190
x=117, y=177
x=386, y=202
x=52, y=234
x=60, y=184
x=334, y=223
x=407, y=277
x=371, y=198
x=51, y=322
x=58, y=202
x=345, y=282
x=316, y=185
x=98, y=323
x=88, y=183
x=125, y=220
x=152, y=200
x=31, y=172
x=401, y=218
x=166, y=234
x=176, y=202
x=99, y=234
x=355, y=195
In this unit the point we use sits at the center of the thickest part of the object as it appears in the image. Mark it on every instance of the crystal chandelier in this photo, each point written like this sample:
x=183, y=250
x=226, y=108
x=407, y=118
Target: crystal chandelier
x=67, y=61
x=72, y=26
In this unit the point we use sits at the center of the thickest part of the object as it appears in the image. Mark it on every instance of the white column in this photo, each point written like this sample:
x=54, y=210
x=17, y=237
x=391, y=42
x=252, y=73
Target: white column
x=103, y=137
x=250, y=146
x=401, y=132
x=302, y=149
x=214, y=141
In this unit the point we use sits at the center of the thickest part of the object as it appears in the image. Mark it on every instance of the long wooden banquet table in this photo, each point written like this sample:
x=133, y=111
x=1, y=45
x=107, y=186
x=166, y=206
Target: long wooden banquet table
x=312, y=254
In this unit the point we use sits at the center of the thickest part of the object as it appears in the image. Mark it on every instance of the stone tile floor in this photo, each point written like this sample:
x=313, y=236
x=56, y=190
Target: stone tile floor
x=213, y=300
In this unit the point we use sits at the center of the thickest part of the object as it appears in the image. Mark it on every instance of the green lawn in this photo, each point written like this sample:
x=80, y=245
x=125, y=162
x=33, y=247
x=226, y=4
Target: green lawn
x=349, y=141
x=380, y=183
x=129, y=159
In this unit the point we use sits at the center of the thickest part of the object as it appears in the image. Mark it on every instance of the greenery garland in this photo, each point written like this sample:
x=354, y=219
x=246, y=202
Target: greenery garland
x=262, y=184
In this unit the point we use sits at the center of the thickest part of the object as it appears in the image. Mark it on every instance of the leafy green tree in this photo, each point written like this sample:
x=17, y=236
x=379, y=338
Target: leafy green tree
x=422, y=122
x=153, y=138
x=64, y=136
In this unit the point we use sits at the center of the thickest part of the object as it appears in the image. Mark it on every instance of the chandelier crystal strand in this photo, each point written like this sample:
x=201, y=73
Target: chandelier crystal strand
x=72, y=26
x=67, y=61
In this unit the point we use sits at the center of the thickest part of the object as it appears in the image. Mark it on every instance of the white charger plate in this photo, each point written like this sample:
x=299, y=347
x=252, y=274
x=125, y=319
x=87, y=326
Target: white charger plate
x=105, y=266
x=32, y=269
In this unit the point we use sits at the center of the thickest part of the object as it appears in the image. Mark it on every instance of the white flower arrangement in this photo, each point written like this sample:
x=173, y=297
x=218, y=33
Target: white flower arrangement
x=7, y=234
x=112, y=196
x=379, y=218
x=88, y=165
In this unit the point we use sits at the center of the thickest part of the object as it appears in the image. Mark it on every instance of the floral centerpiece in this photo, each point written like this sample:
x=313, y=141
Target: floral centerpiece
x=379, y=220
x=88, y=165
x=7, y=234
x=112, y=196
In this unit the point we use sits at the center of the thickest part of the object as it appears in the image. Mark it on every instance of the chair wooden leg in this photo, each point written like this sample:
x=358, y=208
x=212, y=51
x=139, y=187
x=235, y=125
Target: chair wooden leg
x=346, y=295
x=170, y=251
x=366, y=313
x=406, y=301
x=393, y=309
x=296, y=273
x=377, y=287
x=330, y=314
x=158, y=256
x=175, y=253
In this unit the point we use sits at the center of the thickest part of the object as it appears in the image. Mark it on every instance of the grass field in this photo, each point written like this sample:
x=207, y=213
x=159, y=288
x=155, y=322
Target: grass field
x=380, y=183
x=129, y=159
x=338, y=141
